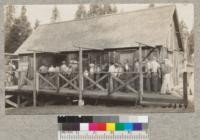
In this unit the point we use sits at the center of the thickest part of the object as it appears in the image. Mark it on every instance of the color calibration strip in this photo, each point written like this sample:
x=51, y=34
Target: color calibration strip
x=103, y=127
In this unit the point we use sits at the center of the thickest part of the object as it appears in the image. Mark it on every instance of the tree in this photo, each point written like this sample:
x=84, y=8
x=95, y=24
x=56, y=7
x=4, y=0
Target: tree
x=151, y=5
x=114, y=9
x=19, y=32
x=81, y=12
x=95, y=10
x=55, y=15
x=183, y=31
x=9, y=20
x=9, y=17
x=37, y=23
x=191, y=42
x=107, y=9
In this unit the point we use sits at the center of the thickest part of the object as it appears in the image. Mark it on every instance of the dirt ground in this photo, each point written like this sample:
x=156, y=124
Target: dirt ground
x=98, y=109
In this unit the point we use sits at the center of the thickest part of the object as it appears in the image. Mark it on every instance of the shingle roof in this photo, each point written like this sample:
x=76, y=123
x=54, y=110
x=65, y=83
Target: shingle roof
x=150, y=26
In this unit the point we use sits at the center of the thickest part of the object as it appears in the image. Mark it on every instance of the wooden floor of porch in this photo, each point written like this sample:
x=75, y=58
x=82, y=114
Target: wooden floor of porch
x=97, y=94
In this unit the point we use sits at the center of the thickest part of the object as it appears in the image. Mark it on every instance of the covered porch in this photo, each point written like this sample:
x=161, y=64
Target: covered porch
x=82, y=86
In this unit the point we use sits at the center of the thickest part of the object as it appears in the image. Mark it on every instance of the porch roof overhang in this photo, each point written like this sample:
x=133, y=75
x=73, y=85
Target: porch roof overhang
x=84, y=47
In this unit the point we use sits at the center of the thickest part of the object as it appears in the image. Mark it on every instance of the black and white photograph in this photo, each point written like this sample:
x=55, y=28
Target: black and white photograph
x=99, y=58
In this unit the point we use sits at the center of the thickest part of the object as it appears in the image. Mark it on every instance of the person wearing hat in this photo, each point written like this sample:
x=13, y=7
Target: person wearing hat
x=43, y=70
x=52, y=69
x=64, y=68
x=155, y=73
x=86, y=74
x=91, y=72
x=74, y=66
x=113, y=71
x=97, y=73
x=167, y=83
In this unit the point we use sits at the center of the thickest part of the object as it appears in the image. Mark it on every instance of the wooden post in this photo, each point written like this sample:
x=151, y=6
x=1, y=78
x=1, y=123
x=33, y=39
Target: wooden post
x=109, y=58
x=141, y=74
x=19, y=79
x=58, y=82
x=34, y=79
x=80, y=102
x=18, y=100
x=185, y=95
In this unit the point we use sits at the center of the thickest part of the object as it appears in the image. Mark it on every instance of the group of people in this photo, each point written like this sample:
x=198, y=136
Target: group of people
x=63, y=68
x=154, y=73
x=68, y=71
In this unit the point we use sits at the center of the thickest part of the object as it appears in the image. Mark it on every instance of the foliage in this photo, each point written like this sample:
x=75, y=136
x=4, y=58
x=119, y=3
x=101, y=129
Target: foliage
x=9, y=17
x=9, y=20
x=19, y=32
x=37, y=23
x=55, y=15
x=151, y=5
x=81, y=12
x=183, y=30
x=191, y=42
x=187, y=38
x=95, y=10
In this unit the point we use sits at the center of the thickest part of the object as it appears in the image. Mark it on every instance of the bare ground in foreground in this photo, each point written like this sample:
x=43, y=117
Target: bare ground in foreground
x=98, y=109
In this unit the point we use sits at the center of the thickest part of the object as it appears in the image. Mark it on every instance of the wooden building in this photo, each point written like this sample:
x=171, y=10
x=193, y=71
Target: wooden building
x=111, y=38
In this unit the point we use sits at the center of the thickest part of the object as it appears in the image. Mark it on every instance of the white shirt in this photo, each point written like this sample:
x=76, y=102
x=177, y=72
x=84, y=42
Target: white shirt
x=137, y=67
x=155, y=66
x=52, y=69
x=126, y=67
x=98, y=69
x=86, y=73
x=43, y=69
x=92, y=70
x=64, y=68
x=148, y=67
x=113, y=70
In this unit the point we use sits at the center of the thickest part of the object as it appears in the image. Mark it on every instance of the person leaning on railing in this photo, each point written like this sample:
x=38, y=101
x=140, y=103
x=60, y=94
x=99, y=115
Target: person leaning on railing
x=104, y=70
x=97, y=73
x=43, y=70
x=113, y=70
x=92, y=72
x=74, y=71
x=64, y=68
x=127, y=68
x=121, y=74
x=86, y=74
x=63, y=71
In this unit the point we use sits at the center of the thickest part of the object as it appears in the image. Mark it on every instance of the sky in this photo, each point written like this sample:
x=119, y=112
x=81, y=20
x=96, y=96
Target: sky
x=67, y=12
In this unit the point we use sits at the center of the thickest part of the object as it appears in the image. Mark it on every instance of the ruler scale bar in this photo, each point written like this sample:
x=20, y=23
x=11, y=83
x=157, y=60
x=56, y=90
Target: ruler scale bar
x=103, y=128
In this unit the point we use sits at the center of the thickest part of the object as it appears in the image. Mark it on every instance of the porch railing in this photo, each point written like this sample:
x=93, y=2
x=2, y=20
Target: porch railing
x=102, y=81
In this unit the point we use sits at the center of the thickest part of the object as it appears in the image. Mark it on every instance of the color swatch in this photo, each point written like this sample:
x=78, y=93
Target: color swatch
x=102, y=123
